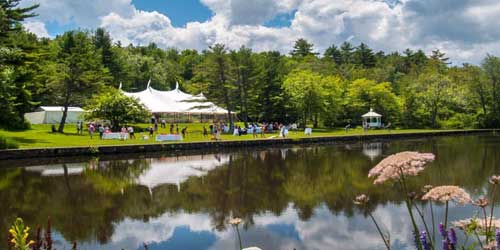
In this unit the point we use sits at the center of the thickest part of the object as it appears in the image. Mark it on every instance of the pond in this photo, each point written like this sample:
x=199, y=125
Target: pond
x=288, y=198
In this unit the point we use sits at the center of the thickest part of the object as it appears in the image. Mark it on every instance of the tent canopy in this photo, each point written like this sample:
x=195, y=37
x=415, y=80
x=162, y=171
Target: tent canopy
x=53, y=115
x=175, y=101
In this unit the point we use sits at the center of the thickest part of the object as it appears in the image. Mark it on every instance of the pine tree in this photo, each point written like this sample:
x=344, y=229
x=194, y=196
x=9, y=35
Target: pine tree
x=302, y=48
x=364, y=56
x=334, y=54
x=215, y=71
x=77, y=72
x=11, y=16
x=346, y=52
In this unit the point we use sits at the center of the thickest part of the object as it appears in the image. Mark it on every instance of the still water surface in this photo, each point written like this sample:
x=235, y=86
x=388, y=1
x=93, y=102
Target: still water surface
x=289, y=198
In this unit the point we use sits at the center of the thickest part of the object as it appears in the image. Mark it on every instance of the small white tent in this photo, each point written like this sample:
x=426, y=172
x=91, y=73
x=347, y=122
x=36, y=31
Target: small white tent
x=53, y=115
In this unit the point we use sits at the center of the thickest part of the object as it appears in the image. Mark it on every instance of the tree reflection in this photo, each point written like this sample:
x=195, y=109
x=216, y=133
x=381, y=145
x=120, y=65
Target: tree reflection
x=86, y=206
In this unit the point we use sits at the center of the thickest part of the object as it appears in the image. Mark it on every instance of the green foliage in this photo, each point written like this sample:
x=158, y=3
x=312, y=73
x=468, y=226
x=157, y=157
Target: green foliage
x=18, y=53
x=76, y=72
x=115, y=107
x=410, y=89
x=363, y=94
x=312, y=94
x=7, y=144
x=302, y=48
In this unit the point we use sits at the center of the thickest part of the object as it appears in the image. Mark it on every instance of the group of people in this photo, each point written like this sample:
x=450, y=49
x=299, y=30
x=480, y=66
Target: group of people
x=215, y=130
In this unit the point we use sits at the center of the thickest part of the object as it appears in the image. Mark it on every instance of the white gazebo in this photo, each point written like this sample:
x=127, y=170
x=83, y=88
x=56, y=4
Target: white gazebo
x=372, y=120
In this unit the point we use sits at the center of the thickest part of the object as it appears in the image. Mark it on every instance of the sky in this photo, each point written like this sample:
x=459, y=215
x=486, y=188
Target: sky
x=466, y=30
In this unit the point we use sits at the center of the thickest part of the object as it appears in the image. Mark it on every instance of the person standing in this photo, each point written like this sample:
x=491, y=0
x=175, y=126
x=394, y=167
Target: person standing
x=131, y=132
x=91, y=130
x=100, y=129
x=151, y=132
x=79, y=127
x=205, y=132
x=171, y=128
x=184, y=132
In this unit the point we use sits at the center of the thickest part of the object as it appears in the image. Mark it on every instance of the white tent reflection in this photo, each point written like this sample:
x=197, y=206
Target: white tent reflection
x=166, y=170
x=58, y=169
x=176, y=170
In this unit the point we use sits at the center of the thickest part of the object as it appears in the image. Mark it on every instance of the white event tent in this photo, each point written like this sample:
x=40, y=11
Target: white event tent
x=175, y=101
x=53, y=114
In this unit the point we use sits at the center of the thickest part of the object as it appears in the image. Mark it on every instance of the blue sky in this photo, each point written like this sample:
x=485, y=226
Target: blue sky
x=466, y=30
x=180, y=12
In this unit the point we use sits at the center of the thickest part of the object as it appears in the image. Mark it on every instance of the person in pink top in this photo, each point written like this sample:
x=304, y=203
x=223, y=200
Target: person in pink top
x=91, y=130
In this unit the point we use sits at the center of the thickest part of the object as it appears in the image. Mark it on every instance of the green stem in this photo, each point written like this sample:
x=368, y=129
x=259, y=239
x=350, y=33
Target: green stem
x=239, y=237
x=446, y=216
x=433, y=223
x=410, y=211
x=425, y=223
x=479, y=240
x=492, y=208
x=387, y=244
x=486, y=224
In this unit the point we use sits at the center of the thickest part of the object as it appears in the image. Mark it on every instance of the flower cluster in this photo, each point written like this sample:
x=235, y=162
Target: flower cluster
x=447, y=193
x=425, y=244
x=482, y=202
x=235, y=221
x=495, y=179
x=449, y=237
x=396, y=165
x=361, y=200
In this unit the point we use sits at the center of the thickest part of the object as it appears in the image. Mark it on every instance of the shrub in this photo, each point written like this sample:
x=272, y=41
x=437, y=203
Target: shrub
x=7, y=144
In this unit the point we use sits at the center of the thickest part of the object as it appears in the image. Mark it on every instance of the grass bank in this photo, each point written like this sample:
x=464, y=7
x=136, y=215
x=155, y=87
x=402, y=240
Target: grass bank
x=40, y=136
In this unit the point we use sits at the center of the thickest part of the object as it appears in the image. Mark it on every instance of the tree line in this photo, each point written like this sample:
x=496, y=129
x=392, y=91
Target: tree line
x=410, y=89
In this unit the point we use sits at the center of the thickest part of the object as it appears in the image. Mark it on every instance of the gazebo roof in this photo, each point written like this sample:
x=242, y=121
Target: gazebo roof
x=371, y=114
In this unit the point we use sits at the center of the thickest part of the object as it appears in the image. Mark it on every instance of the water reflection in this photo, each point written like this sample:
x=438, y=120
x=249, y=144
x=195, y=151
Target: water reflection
x=298, y=198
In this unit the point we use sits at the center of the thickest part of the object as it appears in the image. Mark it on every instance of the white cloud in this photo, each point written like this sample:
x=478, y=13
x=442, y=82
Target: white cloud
x=464, y=29
x=37, y=28
x=83, y=13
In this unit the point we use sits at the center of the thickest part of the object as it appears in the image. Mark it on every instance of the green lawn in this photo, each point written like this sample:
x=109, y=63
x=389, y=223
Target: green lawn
x=40, y=136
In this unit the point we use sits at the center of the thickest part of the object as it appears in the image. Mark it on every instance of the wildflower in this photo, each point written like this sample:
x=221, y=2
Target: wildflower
x=423, y=239
x=442, y=230
x=482, y=202
x=361, y=200
x=452, y=236
x=403, y=163
x=446, y=244
x=497, y=237
x=235, y=221
x=447, y=193
x=495, y=179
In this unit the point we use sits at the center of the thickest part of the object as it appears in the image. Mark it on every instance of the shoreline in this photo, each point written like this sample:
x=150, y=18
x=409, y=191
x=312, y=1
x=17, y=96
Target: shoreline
x=34, y=153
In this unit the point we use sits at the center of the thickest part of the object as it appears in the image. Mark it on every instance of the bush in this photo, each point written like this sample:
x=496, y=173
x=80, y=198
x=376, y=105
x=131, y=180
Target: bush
x=7, y=144
x=460, y=121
